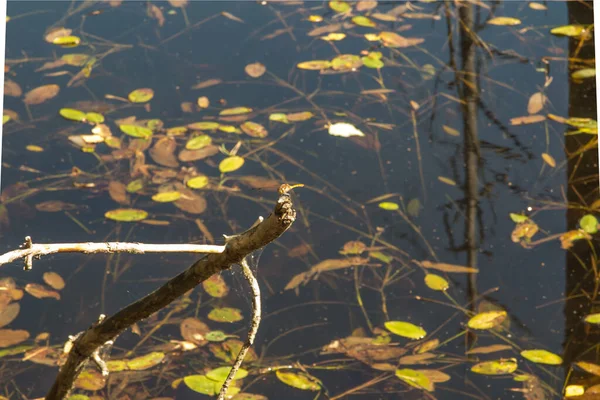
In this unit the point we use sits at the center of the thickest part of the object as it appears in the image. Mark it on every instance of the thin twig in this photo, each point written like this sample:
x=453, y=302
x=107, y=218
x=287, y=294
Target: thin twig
x=254, y=323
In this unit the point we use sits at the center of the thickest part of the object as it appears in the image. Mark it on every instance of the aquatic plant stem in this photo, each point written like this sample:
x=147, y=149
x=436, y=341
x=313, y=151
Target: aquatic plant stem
x=254, y=323
x=234, y=252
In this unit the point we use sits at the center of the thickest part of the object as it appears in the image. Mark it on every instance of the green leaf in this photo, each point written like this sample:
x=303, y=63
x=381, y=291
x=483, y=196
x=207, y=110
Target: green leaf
x=225, y=314
x=363, y=21
x=220, y=374
x=200, y=384
x=584, y=73
x=126, y=215
x=568, y=30
x=436, y=282
x=298, y=381
x=370, y=62
x=406, y=329
x=204, y=126
x=593, y=318
x=198, y=142
x=381, y=256
x=231, y=164
x=142, y=95
x=94, y=118
x=589, y=223
x=386, y=205
x=542, y=357
x=215, y=286
x=279, y=117
x=518, y=218
x=487, y=320
x=166, y=197
x=497, y=367
x=136, y=131
x=414, y=207
x=415, y=379
x=5, y=119
x=216, y=336
x=72, y=114
x=504, y=21
x=198, y=182
x=146, y=361
x=339, y=6
x=135, y=186
x=235, y=111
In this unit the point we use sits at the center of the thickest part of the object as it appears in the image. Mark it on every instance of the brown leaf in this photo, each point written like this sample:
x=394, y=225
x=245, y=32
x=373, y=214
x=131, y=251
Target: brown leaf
x=365, y=5
x=417, y=359
x=207, y=83
x=156, y=13
x=12, y=88
x=193, y=330
x=392, y=39
x=529, y=119
x=255, y=70
x=489, y=349
x=193, y=155
x=118, y=192
x=9, y=314
x=328, y=29
x=163, y=152
x=56, y=33
x=10, y=337
x=448, y=267
x=259, y=182
x=51, y=65
x=178, y=3
x=54, y=206
x=41, y=291
x=54, y=280
x=90, y=379
x=536, y=103
x=41, y=94
x=191, y=202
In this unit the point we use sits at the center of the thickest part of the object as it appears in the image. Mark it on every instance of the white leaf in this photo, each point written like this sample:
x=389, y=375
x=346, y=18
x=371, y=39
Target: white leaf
x=344, y=130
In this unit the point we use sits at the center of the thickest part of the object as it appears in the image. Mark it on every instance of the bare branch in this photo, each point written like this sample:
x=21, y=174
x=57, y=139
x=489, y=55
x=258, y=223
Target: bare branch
x=236, y=249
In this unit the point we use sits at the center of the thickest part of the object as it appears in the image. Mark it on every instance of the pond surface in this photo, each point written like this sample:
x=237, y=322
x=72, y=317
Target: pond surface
x=458, y=168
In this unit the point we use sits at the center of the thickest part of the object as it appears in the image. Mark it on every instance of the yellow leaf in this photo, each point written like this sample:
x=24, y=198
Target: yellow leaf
x=504, y=21
x=549, y=159
x=231, y=164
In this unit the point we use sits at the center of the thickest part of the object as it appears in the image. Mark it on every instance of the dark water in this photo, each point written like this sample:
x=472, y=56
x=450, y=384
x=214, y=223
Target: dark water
x=512, y=177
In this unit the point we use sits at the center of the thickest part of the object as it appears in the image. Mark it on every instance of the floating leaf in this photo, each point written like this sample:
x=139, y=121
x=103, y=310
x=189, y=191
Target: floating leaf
x=584, y=73
x=255, y=70
x=5, y=119
x=204, y=126
x=9, y=313
x=574, y=390
x=299, y=116
x=406, y=329
x=220, y=374
x=518, y=218
x=537, y=6
x=363, y=21
x=253, y=129
x=415, y=379
x=41, y=94
x=447, y=181
x=279, y=117
x=41, y=291
x=198, y=142
x=231, y=164
x=536, y=103
x=542, y=357
x=215, y=286
x=195, y=331
x=371, y=62
x=315, y=65
x=94, y=118
x=388, y=205
x=90, y=380
x=76, y=60
x=135, y=186
x=167, y=197
x=593, y=369
x=589, y=224
x=298, y=381
x=497, y=367
x=203, y=102
x=315, y=18
x=568, y=30
x=146, y=361
x=436, y=282
x=126, y=215
x=54, y=280
x=450, y=131
x=392, y=39
x=235, y=111
x=10, y=337
x=225, y=314
x=197, y=182
x=339, y=6
x=193, y=155
x=529, y=119
x=504, y=21
x=343, y=129
x=216, y=336
x=413, y=207
x=72, y=114
x=200, y=384
x=346, y=62
x=549, y=159
x=487, y=320
x=593, y=319
x=334, y=37
x=142, y=95
x=489, y=349
x=34, y=148
x=67, y=41
x=136, y=131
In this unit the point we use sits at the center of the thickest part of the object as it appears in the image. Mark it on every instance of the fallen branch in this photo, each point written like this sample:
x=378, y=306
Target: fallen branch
x=236, y=249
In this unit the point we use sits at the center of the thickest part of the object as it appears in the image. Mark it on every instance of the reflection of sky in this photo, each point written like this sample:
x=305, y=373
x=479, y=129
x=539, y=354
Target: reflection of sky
x=221, y=48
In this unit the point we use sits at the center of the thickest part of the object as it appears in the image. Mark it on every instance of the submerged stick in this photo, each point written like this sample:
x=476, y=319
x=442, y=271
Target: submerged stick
x=254, y=323
x=235, y=251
